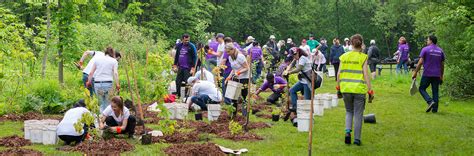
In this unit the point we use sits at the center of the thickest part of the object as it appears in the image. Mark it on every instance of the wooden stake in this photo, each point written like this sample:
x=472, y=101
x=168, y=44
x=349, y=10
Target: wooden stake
x=136, y=89
x=311, y=114
x=249, y=94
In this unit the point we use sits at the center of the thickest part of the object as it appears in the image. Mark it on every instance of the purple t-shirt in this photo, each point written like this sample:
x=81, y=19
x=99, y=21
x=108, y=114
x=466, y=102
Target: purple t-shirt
x=256, y=53
x=278, y=80
x=184, y=57
x=432, y=57
x=213, y=45
x=404, y=49
x=227, y=63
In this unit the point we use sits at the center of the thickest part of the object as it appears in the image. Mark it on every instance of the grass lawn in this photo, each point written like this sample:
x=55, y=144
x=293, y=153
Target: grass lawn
x=403, y=128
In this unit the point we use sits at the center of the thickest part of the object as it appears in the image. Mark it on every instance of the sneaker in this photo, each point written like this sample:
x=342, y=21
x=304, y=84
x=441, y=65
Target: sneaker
x=357, y=142
x=347, y=139
x=430, y=106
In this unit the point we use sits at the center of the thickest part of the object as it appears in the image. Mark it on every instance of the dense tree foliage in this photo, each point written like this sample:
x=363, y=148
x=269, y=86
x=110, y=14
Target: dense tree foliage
x=133, y=27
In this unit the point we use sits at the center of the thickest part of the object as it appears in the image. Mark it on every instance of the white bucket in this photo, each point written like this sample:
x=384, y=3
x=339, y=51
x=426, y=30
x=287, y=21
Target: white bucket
x=327, y=101
x=303, y=124
x=213, y=111
x=49, y=136
x=233, y=90
x=28, y=125
x=334, y=101
x=183, y=92
x=331, y=72
x=36, y=133
x=181, y=111
x=318, y=108
x=172, y=109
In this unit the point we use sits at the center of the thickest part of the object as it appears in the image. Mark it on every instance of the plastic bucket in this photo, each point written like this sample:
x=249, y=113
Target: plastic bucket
x=334, y=101
x=49, y=136
x=303, y=124
x=369, y=118
x=331, y=72
x=181, y=111
x=318, y=108
x=213, y=111
x=172, y=109
x=233, y=90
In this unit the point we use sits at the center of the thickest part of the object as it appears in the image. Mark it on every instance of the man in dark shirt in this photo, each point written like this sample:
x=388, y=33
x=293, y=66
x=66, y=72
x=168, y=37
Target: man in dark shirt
x=373, y=55
x=184, y=61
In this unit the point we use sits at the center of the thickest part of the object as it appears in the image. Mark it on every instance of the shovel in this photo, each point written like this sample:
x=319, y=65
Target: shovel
x=370, y=118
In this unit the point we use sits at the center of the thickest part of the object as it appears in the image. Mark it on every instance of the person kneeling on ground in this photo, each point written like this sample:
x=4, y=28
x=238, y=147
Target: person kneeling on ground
x=116, y=118
x=204, y=92
x=66, y=130
x=276, y=84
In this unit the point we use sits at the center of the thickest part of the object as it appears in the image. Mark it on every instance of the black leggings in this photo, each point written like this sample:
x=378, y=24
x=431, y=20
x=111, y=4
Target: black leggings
x=131, y=123
x=68, y=139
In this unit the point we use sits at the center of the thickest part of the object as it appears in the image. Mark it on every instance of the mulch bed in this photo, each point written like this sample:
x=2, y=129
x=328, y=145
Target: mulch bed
x=265, y=106
x=177, y=137
x=14, y=141
x=103, y=147
x=20, y=152
x=263, y=115
x=205, y=149
x=240, y=137
x=139, y=130
x=29, y=116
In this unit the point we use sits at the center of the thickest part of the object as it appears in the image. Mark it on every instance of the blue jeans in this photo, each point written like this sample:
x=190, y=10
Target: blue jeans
x=424, y=84
x=226, y=100
x=85, y=78
x=202, y=100
x=102, y=91
x=258, y=71
x=404, y=64
x=299, y=87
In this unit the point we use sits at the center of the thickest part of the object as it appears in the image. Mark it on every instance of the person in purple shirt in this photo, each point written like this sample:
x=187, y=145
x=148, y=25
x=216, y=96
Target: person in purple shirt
x=212, y=54
x=432, y=58
x=184, y=61
x=403, y=51
x=257, y=59
x=276, y=84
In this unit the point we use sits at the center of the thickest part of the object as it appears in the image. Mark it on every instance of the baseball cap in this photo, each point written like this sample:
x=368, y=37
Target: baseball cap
x=346, y=39
x=303, y=41
x=289, y=40
x=250, y=38
x=220, y=35
x=372, y=41
x=272, y=36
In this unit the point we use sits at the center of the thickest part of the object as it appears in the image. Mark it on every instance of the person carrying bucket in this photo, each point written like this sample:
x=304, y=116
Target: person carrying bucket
x=240, y=69
x=353, y=82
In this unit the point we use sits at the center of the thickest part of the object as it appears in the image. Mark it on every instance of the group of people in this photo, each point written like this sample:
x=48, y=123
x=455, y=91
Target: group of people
x=353, y=63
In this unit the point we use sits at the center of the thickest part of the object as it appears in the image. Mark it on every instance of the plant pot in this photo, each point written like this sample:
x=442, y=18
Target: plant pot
x=255, y=111
x=369, y=118
x=146, y=139
x=275, y=117
x=198, y=116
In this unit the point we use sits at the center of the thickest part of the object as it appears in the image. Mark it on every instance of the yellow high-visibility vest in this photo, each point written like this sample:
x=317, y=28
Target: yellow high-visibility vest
x=352, y=73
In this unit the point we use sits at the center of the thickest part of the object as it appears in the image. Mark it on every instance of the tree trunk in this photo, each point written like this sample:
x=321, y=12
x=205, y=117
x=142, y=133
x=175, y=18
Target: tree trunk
x=60, y=52
x=46, y=50
x=337, y=17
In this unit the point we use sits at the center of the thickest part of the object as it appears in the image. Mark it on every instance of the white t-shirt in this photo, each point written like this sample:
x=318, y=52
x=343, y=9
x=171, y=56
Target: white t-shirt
x=105, y=67
x=66, y=126
x=237, y=64
x=306, y=63
x=221, y=49
x=109, y=112
x=95, y=55
x=319, y=58
x=306, y=49
x=208, y=76
x=207, y=88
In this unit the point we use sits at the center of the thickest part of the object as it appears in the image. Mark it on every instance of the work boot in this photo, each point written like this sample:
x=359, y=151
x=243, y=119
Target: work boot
x=430, y=106
x=357, y=142
x=347, y=139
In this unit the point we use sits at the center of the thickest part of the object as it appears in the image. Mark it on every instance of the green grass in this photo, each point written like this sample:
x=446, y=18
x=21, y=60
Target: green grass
x=403, y=128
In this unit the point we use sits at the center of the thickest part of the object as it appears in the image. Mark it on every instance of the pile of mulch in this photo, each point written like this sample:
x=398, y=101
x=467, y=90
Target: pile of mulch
x=29, y=116
x=177, y=137
x=139, y=130
x=265, y=106
x=240, y=137
x=205, y=149
x=20, y=151
x=103, y=147
x=258, y=125
x=14, y=141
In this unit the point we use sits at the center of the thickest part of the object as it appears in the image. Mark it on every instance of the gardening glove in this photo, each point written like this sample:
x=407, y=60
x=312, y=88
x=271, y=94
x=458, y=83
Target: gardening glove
x=339, y=94
x=371, y=95
x=238, y=73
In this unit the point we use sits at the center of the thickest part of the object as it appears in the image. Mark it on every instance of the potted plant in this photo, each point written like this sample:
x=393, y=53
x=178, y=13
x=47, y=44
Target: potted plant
x=198, y=116
x=276, y=114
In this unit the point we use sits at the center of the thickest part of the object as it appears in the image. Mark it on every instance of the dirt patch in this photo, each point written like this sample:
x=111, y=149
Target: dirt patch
x=20, y=151
x=265, y=106
x=206, y=149
x=103, y=147
x=29, y=116
x=240, y=137
x=263, y=115
x=177, y=137
x=139, y=130
x=14, y=141
x=258, y=125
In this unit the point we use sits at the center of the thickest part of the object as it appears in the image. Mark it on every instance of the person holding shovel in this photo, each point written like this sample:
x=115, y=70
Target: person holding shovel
x=276, y=83
x=240, y=69
x=354, y=82
x=116, y=118
x=105, y=72
x=432, y=58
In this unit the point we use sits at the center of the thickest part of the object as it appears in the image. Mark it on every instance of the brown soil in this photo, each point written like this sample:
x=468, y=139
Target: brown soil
x=103, y=147
x=139, y=130
x=265, y=116
x=258, y=125
x=177, y=137
x=20, y=152
x=240, y=137
x=205, y=149
x=29, y=116
x=265, y=106
x=14, y=141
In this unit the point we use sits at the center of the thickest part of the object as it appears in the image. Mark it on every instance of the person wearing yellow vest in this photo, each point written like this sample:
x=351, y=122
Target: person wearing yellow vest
x=353, y=82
